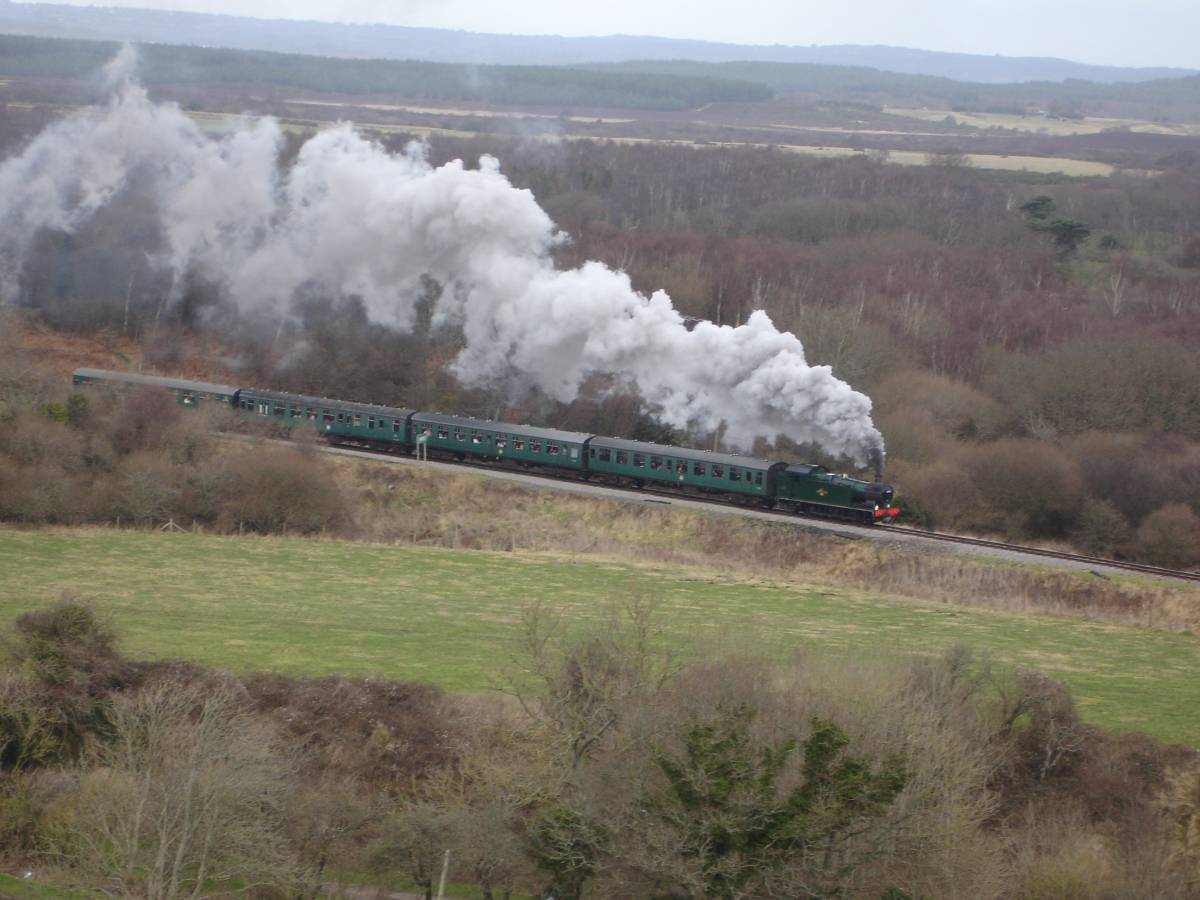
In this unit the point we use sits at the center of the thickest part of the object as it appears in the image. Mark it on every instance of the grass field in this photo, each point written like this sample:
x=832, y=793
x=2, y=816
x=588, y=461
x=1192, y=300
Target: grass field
x=1043, y=124
x=449, y=617
x=1062, y=165
x=1081, y=168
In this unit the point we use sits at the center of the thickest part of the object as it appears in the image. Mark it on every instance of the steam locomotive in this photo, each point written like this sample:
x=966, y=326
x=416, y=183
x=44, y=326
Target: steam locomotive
x=800, y=488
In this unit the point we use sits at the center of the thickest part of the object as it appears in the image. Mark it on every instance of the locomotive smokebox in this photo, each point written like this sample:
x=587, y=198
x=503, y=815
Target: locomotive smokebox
x=875, y=457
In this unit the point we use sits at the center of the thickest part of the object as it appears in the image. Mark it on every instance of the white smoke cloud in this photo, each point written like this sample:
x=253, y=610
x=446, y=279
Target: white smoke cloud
x=350, y=218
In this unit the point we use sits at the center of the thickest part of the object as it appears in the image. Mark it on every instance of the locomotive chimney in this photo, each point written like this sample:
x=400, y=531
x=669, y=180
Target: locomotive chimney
x=875, y=456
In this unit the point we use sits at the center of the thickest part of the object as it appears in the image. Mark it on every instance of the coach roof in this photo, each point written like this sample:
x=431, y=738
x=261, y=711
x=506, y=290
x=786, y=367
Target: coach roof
x=728, y=459
x=370, y=409
x=178, y=384
x=530, y=431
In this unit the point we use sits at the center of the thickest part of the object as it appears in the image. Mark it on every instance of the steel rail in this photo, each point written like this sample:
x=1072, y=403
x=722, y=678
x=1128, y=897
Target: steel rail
x=891, y=529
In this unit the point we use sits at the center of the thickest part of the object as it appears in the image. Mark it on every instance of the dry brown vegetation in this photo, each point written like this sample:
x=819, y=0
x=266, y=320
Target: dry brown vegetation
x=402, y=504
x=611, y=769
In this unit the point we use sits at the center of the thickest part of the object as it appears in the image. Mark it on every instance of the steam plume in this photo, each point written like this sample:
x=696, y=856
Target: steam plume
x=349, y=218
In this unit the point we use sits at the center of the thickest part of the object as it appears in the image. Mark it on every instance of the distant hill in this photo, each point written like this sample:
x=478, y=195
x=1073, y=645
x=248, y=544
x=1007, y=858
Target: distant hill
x=846, y=82
x=439, y=45
x=22, y=56
x=646, y=85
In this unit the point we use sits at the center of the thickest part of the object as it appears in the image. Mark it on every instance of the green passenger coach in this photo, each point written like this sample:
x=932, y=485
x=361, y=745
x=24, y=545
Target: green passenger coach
x=187, y=393
x=483, y=438
x=645, y=463
x=356, y=422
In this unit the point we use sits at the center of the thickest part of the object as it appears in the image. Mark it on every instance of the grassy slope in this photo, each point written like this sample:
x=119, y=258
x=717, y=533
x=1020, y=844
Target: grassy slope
x=315, y=607
x=13, y=888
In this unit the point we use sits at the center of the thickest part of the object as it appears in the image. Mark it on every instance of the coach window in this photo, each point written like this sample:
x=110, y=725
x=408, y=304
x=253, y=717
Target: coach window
x=295, y=412
x=443, y=433
x=574, y=453
x=395, y=426
x=518, y=444
x=264, y=409
x=735, y=474
x=459, y=436
x=622, y=458
x=501, y=443
x=188, y=398
x=370, y=421
x=758, y=477
x=718, y=470
x=535, y=446
x=697, y=468
x=280, y=410
x=476, y=438
x=656, y=462
x=605, y=454
x=358, y=420
x=552, y=449
x=639, y=460
x=310, y=413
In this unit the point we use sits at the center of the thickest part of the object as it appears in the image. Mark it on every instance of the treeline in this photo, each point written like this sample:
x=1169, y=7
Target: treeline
x=857, y=82
x=25, y=57
x=610, y=766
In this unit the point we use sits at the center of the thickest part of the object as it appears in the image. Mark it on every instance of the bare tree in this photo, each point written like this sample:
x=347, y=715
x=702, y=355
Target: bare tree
x=27, y=727
x=413, y=840
x=185, y=798
x=583, y=683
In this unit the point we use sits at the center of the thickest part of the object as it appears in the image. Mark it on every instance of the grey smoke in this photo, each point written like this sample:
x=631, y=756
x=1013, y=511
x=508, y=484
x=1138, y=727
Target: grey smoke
x=350, y=218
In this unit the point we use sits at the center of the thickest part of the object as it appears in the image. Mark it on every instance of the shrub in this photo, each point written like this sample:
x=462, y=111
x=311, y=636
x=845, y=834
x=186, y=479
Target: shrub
x=39, y=441
x=944, y=495
x=959, y=409
x=146, y=490
x=1029, y=487
x=142, y=420
x=282, y=489
x=68, y=656
x=1102, y=529
x=386, y=734
x=1170, y=537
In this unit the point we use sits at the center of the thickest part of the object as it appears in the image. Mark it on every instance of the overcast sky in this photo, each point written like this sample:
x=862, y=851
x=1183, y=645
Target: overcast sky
x=1114, y=32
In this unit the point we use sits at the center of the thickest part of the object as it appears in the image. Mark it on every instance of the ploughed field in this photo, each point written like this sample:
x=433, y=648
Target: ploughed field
x=314, y=607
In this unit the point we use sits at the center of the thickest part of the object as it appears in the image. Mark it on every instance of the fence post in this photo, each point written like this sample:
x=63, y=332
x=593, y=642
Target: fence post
x=442, y=880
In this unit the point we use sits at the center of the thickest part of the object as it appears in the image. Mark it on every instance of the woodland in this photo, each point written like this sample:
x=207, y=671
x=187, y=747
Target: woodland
x=1029, y=342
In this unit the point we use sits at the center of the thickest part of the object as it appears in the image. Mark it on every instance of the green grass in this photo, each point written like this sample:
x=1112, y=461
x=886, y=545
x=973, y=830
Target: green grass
x=313, y=607
x=12, y=888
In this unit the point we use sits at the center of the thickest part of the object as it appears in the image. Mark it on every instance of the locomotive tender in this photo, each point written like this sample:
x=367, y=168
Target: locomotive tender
x=802, y=488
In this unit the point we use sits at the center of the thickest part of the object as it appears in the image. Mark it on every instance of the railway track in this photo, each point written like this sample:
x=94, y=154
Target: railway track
x=647, y=492
x=1053, y=554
